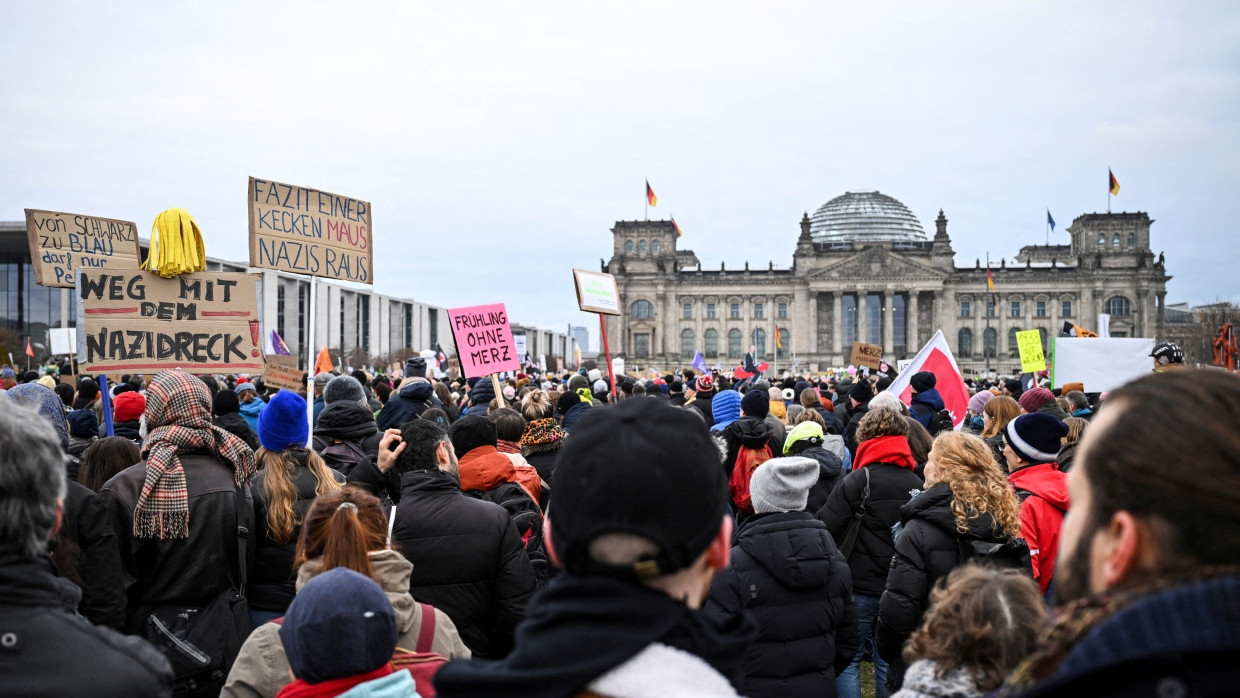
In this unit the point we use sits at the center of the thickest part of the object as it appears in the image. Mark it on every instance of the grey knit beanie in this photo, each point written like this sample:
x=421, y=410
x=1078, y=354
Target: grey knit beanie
x=344, y=388
x=782, y=484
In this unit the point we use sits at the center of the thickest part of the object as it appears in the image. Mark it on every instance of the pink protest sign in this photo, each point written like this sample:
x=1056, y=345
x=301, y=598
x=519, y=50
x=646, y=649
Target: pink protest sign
x=483, y=340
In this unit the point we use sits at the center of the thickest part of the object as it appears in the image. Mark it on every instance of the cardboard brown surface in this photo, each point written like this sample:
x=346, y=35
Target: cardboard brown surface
x=307, y=231
x=282, y=373
x=137, y=322
x=61, y=243
x=868, y=355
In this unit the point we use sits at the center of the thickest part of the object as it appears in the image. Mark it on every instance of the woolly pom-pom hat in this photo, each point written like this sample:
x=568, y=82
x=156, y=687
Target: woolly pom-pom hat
x=282, y=423
x=1035, y=437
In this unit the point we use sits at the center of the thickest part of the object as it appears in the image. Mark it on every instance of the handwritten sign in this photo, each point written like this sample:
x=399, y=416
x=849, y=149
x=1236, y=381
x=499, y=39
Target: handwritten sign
x=596, y=292
x=308, y=231
x=282, y=373
x=483, y=340
x=868, y=355
x=137, y=322
x=61, y=243
x=1032, y=359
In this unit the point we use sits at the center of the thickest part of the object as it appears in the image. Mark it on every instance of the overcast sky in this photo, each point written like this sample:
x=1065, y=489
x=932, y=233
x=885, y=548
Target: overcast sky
x=499, y=142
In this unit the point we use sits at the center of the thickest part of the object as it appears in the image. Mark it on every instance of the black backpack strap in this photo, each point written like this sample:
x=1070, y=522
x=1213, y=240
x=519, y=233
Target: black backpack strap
x=243, y=535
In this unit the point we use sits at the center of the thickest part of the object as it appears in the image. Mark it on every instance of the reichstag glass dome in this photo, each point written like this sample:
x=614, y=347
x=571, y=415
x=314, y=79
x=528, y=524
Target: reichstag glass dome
x=866, y=216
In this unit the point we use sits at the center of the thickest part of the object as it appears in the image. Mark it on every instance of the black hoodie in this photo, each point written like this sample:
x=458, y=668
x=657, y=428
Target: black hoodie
x=579, y=628
x=752, y=432
x=348, y=421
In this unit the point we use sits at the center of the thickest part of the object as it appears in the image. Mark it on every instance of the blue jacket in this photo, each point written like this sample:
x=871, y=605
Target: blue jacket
x=407, y=404
x=250, y=411
x=575, y=413
x=726, y=406
x=924, y=405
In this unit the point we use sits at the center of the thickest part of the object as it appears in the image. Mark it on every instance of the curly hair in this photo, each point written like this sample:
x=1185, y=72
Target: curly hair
x=978, y=487
x=883, y=421
x=984, y=619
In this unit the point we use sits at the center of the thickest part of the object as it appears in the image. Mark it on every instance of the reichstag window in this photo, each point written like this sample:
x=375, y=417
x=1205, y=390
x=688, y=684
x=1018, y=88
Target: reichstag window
x=1118, y=306
x=1066, y=310
x=686, y=311
x=1040, y=309
x=710, y=311
x=964, y=342
x=757, y=311
x=781, y=311
x=1015, y=308
x=964, y=308
x=711, y=350
x=734, y=311
x=734, y=344
x=641, y=310
x=687, y=350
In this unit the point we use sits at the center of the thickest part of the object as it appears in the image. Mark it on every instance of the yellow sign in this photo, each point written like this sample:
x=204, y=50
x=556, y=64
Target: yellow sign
x=1032, y=359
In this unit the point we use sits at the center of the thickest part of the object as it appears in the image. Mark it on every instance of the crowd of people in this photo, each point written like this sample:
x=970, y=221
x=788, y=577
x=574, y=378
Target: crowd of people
x=678, y=535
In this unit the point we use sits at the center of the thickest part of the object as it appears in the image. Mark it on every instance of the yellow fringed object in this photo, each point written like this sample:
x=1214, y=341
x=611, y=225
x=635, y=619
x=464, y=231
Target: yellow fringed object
x=176, y=245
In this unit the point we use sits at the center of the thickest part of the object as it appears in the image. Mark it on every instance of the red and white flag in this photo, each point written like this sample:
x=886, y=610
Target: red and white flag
x=936, y=357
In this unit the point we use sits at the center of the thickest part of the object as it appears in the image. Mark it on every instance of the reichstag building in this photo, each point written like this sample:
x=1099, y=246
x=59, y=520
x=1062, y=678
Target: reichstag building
x=865, y=270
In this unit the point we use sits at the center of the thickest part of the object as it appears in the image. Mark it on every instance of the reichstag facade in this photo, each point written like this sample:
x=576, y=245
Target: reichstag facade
x=864, y=270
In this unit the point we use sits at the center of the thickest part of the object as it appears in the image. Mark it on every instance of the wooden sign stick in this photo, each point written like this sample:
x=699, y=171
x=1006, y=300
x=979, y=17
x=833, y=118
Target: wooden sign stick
x=499, y=393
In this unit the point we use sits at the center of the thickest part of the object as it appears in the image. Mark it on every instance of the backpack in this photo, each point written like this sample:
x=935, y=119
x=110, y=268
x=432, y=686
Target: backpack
x=1012, y=553
x=747, y=461
x=940, y=422
x=528, y=518
x=342, y=455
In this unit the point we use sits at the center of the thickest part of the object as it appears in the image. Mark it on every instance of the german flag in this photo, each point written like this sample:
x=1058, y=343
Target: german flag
x=1113, y=183
x=676, y=227
x=990, y=280
x=779, y=344
x=652, y=199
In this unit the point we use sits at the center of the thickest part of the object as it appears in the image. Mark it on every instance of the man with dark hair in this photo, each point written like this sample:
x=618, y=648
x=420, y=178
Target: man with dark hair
x=46, y=648
x=468, y=559
x=639, y=530
x=1148, y=581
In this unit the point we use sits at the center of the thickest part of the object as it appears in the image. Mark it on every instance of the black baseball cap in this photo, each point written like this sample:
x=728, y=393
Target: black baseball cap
x=643, y=468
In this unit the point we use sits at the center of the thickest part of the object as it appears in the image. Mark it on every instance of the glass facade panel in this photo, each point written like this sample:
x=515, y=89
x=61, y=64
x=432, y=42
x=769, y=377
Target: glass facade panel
x=874, y=319
x=848, y=316
x=899, y=320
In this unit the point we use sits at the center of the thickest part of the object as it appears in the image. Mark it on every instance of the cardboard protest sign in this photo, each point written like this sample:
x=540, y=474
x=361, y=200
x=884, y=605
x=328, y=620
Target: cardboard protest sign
x=61, y=243
x=1100, y=363
x=308, y=231
x=282, y=373
x=137, y=322
x=596, y=292
x=1032, y=359
x=868, y=355
x=483, y=339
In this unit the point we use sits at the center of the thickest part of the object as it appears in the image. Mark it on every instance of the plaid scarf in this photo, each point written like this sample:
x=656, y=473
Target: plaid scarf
x=542, y=435
x=507, y=446
x=178, y=410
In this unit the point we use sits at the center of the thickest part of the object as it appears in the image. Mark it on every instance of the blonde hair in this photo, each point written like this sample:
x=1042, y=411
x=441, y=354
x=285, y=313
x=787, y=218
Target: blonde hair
x=966, y=464
x=1076, y=428
x=280, y=494
x=810, y=415
x=883, y=421
x=537, y=405
x=1001, y=410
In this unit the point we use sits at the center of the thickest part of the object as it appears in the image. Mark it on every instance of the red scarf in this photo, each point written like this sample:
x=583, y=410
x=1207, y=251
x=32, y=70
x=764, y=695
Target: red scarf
x=892, y=450
x=507, y=446
x=332, y=687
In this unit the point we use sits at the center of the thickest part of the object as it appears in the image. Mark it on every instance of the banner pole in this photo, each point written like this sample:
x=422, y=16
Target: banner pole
x=607, y=353
x=310, y=366
x=106, y=396
x=499, y=391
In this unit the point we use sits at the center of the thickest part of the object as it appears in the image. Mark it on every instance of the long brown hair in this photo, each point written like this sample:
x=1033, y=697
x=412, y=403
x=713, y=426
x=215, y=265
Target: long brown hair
x=984, y=619
x=105, y=458
x=978, y=487
x=280, y=494
x=341, y=529
x=1001, y=410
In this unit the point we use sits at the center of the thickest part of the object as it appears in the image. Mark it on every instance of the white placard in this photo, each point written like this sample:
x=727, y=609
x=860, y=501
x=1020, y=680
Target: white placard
x=519, y=340
x=1101, y=364
x=63, y=339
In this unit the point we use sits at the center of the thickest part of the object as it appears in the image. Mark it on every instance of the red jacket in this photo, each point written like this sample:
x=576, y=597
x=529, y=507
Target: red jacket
x=1041, y=515
x=484, y=468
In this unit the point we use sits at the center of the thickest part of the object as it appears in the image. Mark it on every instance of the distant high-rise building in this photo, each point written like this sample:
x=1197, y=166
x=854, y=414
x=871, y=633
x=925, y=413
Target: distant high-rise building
x=582, y=335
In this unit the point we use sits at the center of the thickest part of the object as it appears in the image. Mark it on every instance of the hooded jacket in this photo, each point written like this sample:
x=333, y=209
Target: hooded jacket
x=348, y=421
x=573, y=415
x=751, y=432
x=924, y=405
x=788, y=574
x=830, y=470
x=235, y=424
x=700, y=403
x=262, y=667
x=1041, y=515
x=470, y=562
x=610, y=638
x=484, y=468
x=892, y=484
x=406, y=404
x=56, y=652
x=480, y=397
x=926, y=550
x=250, y=411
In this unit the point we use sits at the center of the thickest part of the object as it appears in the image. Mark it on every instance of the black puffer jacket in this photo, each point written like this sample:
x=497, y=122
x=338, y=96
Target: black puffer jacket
x=468, y=559
x=97, y=557
x=236, y=425
x=56, y=652
x=854, y=420
x=750, y=432
x=927, y=549
x=830, y=472
x=271, y=582
x=130, y=430
x=890, y=488
x=348, y=421
x=787, y=573
x=403, y=406
x=180, y=571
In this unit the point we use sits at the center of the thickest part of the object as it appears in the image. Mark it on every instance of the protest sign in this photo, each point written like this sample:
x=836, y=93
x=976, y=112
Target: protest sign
x=596, y=292
x=903, y=364
x=1101, y=364
x=308, y=231
x=1032, y=359
x=868, y=355
x=617, y=366
x=137, y=322
x=519, y=339
x=282, y=373
x=483, y=339
x=61, y=243
x=63, y=340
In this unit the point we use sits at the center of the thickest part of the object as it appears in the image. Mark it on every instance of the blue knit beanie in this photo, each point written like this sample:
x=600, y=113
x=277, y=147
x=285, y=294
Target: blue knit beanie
x=282, y=423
